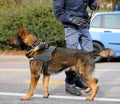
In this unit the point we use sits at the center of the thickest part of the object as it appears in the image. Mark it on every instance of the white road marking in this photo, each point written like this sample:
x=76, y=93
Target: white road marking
x=106, y=70
x=27, y=70
x=61, y=97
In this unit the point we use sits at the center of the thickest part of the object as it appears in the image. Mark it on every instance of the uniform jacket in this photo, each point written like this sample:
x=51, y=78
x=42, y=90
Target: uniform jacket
x=64, y=9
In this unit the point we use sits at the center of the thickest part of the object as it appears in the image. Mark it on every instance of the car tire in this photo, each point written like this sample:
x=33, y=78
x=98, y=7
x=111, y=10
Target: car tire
x=97, y=47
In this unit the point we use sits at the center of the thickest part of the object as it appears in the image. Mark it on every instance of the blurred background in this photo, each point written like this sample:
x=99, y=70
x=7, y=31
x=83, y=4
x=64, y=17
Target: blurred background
x=37, y=17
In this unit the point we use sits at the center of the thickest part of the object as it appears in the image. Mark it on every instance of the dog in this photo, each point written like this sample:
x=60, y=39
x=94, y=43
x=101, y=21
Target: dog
x=59, y=59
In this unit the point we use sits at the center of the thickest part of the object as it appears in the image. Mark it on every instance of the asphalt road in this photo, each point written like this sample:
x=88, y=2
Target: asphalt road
x=15, y=80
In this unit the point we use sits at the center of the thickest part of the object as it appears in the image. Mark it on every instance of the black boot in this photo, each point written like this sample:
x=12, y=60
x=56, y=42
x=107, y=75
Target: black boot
x=79, y=83
x=70, y=83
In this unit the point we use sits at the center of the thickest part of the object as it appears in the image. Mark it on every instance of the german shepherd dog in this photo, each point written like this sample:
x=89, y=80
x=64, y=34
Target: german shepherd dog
x=81, y=62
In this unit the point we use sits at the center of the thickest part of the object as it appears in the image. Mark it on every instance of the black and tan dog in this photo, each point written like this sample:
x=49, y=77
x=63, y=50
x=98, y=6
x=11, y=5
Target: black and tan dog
x=77, y=60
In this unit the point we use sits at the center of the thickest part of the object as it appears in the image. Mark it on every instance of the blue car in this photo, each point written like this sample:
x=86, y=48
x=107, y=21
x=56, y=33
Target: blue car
x=105, y=31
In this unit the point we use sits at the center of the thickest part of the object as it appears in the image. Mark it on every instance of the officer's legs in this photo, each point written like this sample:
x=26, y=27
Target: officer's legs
x=72, y=80
x=86, y=40
x=71, y=37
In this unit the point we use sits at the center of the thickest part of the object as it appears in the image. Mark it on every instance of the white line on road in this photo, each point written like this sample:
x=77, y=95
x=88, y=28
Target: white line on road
x=24, y=70
x=61, y=97
x=106, y=70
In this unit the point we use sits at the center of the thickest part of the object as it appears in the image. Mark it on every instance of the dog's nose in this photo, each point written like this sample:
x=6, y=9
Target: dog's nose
x=9, y=43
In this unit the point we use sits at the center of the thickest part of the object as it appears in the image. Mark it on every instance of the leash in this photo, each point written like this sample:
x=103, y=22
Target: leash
x=88, y=21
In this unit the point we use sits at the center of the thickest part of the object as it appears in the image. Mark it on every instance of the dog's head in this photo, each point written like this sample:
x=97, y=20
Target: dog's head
x=17, y=42
x=22, y=39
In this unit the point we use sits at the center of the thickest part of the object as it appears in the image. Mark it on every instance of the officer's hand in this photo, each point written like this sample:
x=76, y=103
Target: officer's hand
x=77, y=21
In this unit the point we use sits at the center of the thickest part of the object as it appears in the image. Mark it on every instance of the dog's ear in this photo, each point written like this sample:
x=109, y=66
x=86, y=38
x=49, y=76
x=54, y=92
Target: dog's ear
x=22, y=31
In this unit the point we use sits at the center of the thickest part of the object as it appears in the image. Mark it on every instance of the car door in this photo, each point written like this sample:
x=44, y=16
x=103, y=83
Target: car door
x=107, y=31
x=111, y=31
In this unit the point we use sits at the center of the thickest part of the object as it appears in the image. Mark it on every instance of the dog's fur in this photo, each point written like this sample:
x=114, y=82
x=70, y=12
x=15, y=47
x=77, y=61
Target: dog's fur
x=82, y=62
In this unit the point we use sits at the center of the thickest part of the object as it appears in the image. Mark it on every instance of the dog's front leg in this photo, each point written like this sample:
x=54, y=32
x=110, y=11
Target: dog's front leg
x=46, y=79
x=31, y=89
x=35, y=74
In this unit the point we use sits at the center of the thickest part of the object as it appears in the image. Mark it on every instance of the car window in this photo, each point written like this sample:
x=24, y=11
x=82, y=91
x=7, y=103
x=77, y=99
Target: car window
x=96, y=22
x=111, y=21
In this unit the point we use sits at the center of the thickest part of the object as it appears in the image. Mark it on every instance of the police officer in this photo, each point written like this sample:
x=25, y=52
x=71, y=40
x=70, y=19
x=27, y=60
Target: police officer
x=74, y=18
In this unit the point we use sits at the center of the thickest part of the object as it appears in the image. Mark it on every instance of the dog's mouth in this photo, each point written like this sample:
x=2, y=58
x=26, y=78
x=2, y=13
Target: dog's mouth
x=21, y=46
x=12, y=45
x=17, y=43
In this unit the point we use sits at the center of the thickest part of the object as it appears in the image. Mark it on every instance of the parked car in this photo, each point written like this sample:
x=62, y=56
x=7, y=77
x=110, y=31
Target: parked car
x=105, y=31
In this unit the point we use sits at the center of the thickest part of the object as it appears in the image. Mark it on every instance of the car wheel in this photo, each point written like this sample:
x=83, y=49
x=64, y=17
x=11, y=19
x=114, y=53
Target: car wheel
x=97, y=47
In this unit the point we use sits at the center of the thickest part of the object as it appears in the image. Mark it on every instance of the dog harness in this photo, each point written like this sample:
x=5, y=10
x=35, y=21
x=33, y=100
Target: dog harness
x=43, y=57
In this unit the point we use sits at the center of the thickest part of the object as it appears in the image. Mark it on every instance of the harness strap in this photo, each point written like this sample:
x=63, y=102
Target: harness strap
x=45, y=67
x=44, y=57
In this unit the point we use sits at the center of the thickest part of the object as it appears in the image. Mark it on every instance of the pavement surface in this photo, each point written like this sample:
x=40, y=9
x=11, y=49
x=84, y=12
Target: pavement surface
x=15, y=80
x=13, y=58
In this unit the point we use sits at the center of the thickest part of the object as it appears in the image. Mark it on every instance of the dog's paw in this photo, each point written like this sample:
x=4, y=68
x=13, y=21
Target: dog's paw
x=89, y=99
x=25, y=98
x=46, y=96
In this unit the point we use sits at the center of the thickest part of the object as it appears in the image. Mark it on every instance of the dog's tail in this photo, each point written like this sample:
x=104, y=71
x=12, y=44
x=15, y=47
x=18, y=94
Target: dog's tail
x=106, y=53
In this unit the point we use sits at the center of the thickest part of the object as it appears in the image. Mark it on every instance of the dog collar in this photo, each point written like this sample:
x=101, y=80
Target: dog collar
x=36, y=43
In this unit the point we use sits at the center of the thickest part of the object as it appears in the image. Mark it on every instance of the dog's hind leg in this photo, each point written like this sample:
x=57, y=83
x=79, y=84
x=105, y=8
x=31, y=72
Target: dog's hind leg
x=46, y=78
x=89, y=88
x=35, y=74
x=92, y=83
